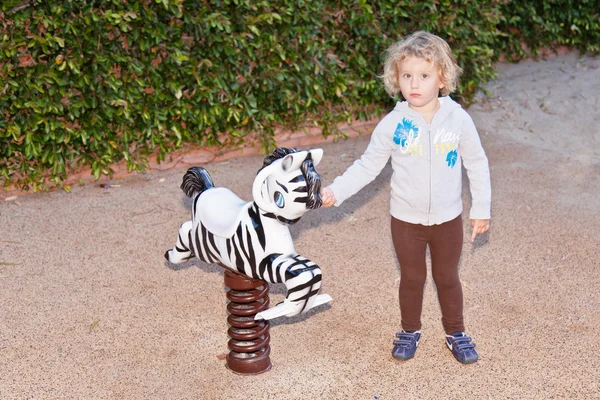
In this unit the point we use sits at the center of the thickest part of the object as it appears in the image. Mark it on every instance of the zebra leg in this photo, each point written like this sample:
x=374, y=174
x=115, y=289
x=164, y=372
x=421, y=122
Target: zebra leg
x=302, y=279
x=182, y=250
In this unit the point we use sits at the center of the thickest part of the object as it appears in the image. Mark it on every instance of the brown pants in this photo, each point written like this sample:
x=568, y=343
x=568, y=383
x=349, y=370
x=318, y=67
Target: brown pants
x=445, y=245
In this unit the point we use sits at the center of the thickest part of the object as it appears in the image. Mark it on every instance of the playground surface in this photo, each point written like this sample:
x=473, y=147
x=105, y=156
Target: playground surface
x=89, y=308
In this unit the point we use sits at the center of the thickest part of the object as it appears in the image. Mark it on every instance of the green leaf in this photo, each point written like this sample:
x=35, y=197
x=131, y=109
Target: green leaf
x=254, y=30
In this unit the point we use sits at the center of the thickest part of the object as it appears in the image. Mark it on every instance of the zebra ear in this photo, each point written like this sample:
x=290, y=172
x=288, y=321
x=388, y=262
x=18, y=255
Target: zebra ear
x=288, y=162
x=292, y=161
x=316, y=155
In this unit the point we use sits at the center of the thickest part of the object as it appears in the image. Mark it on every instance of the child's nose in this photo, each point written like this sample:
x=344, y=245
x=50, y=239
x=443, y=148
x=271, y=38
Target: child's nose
x=414, y=83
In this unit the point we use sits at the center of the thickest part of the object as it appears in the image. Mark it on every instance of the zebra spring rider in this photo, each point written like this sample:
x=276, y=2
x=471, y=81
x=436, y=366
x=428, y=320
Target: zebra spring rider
x=253, y=238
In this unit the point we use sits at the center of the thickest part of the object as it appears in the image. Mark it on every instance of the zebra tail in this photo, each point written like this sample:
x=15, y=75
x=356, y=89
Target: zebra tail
x=195, y=181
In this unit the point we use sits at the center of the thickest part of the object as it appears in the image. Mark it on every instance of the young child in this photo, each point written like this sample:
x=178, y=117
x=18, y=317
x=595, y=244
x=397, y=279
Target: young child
x=428, y=138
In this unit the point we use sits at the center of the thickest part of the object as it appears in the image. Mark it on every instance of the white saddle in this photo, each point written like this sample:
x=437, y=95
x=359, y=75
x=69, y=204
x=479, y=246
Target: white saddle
x=220, y=211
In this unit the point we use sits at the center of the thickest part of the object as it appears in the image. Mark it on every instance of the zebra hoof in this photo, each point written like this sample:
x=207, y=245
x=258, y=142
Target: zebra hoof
x=286, y=308
x=290, y=309
x=322, y=299
x=167, y=255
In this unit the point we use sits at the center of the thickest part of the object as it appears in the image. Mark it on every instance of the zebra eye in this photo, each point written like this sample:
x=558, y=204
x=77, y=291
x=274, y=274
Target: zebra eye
x=279, y=201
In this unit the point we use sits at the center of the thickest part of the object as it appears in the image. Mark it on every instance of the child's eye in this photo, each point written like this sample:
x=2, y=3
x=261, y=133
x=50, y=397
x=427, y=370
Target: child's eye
x=424, y=76
x=407, y=76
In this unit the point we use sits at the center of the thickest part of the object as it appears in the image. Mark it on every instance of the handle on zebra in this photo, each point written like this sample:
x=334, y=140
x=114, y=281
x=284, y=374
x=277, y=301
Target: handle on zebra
x=262, y=203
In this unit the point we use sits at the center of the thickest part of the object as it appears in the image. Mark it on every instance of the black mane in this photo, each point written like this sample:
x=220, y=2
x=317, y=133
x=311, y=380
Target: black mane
x=278, y=153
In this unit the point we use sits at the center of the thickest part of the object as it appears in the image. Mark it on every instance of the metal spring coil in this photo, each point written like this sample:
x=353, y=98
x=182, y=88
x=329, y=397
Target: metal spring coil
x=249, y=339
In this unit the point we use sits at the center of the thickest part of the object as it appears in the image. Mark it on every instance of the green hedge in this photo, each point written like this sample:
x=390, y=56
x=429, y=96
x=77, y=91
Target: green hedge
x=91, y=83
x=548, y=24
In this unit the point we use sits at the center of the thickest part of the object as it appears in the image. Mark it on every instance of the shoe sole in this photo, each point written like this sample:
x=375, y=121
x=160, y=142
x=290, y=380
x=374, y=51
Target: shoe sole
x=403, y=359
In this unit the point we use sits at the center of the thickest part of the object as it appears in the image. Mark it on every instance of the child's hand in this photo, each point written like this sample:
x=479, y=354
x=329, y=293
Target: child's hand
x=479, y=226
x=327, y=197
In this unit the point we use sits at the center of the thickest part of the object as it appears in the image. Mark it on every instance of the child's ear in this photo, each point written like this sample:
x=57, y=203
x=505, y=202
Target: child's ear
x=442, y=79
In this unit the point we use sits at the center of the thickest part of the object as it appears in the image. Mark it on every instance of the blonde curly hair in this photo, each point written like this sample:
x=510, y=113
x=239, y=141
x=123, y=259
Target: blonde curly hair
x=428, y=47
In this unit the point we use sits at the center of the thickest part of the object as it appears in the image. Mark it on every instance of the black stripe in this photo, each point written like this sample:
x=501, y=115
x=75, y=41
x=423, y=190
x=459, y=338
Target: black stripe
x=211, y=238
x=315, y=279
x=182, y=244
x=298, y=260
x=191, y=242
x=205, y=234
x=262, y=266
x=266, y=265
x=240, y=236
x=301, y=189
x=286, y=221
x=310, y=294
x=283, y=187
x=194, y=205
x=270, y=215
x=289, y=274
x=274, y=273
x=228, y=243
x=257, y=223
x=251, y=255
x=301, y=200
x=299, y=178
x=199, y=252
x=239, y=262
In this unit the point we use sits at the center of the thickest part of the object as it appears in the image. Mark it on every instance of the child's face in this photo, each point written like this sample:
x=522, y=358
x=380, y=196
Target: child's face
x=420, y=83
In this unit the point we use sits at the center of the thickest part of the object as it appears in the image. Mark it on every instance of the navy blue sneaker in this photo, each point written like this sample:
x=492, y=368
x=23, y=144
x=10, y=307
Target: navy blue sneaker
x=462, y=348
x=406, y=345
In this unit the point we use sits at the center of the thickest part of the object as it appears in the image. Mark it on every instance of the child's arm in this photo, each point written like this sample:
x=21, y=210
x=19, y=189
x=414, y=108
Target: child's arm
x=368, y=166
x=476, y=164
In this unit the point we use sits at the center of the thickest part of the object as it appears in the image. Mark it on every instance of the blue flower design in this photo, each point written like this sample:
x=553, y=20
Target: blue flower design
x=451, y=158
x=405, y=130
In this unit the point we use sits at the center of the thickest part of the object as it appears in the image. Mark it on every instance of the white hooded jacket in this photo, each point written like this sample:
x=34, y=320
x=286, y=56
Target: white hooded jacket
x=426, y=158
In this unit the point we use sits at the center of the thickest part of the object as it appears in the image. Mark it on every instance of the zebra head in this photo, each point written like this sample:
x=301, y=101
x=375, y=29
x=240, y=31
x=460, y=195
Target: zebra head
x=288, y=185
